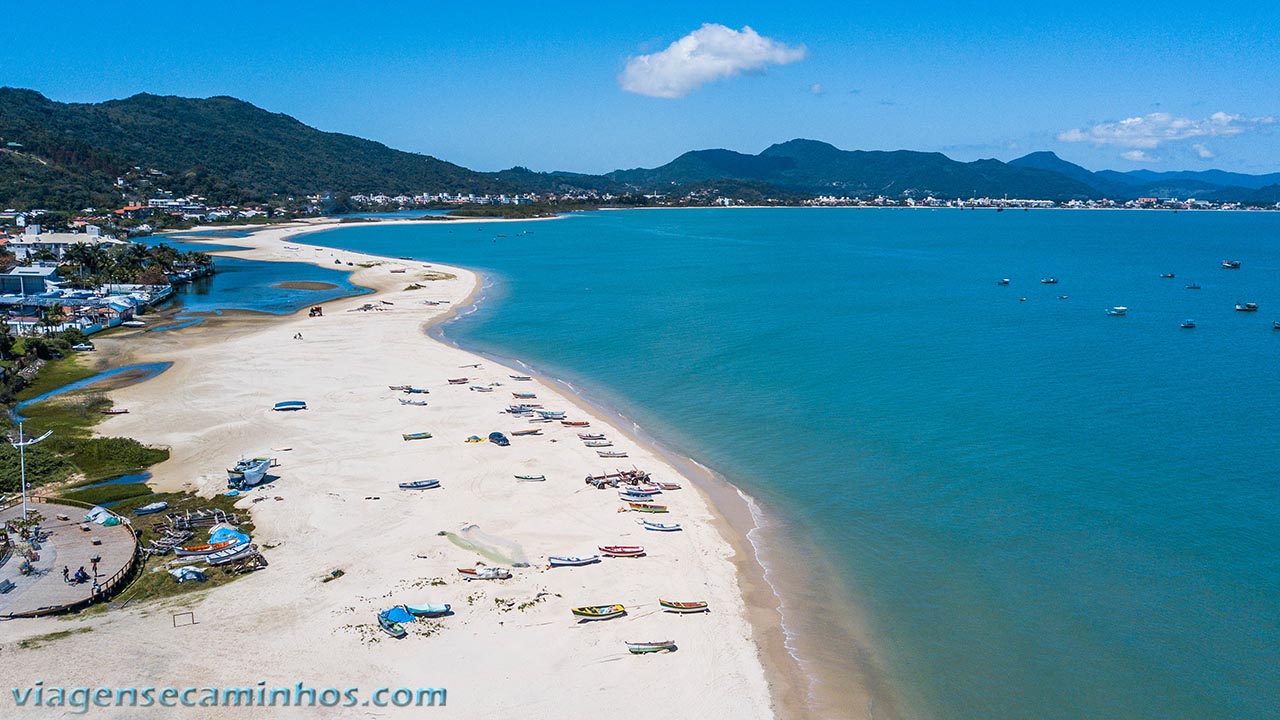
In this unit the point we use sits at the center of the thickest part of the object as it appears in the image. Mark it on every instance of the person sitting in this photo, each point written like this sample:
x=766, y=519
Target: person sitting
x=81, y=576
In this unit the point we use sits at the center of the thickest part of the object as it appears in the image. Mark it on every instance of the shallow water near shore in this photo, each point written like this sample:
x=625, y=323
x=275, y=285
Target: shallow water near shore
x=1038, y=510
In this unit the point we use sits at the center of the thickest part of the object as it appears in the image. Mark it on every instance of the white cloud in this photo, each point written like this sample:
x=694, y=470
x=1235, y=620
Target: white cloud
x=817, y=89
x=712, y=52
x=1138, y=156
x=1204, y=152
x=1150, y=131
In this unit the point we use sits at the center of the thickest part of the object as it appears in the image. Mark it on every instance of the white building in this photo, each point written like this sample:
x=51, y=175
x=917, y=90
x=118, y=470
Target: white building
x=29, y=242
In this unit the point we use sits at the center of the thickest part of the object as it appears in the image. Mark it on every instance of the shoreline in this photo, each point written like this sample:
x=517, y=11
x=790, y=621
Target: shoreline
x=736, y=687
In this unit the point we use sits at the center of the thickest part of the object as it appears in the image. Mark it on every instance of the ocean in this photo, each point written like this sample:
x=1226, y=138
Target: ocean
x=1012, y=504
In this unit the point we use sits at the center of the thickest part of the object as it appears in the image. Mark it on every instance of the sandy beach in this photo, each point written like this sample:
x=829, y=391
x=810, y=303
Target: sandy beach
x=512, y=646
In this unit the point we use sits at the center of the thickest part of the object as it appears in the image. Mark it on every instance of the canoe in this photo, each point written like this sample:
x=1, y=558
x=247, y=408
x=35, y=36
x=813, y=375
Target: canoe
x=407, y=401
x=599, y=612
x=640, y=648
x=394, y=629
x=231, y=554
x=564, y=561
x=204, y=549
x=628, y=497
x=399, y=387
x=610, y=454
x=485, y=573
x=481, y=388
x=575, y=423
x=522, y=378
x=645, y=490
x=524, y=396
x=598, y=443
x=531, y=431
x=115, y=411
x=409, y=390
x=532, y=478
x=621, y=550
x=429, y=610
x=683, y=607
x=416, y=436
x=668, y=485
x=459, y=381
x=647, y=507
x=590, y=436
x=420, y=485
x=154, y=507
x=553, y=414
x=290, y=405
x=661, y=527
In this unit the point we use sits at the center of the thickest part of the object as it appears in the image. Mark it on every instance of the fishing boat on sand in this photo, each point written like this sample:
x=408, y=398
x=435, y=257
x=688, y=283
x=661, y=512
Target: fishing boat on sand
x=204, y=549
x=485, y=573
x=407, y=401
x=599, y=612
x=598, y=443
x=530, y=431
x=552, y=414
x=415, y=390
x=590, y=436
x=575, y=423
x=646, y=507
x=481, y=388
x=610, y=454
x=661, y=527
x=565, y=561
x=428, y=610
x=459, y=381
x=524, y=396
x=668, y=485
x=531, y=478
x=288, y=405
x=621, y=550
x=416, y=435
x=521, y=378
x=420, y=485
x=248, y=472
x=399, y=387
x=642, y=648
x=115, y=411
x=392, y=627
x=154, y=507
x=683, y=607
x=231, y=554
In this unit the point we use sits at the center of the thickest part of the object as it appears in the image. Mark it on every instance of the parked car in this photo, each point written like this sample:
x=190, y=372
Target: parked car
x=83, y=347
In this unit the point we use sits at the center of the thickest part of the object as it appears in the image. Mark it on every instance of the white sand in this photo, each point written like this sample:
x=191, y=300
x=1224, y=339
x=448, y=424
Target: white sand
x=283, y=625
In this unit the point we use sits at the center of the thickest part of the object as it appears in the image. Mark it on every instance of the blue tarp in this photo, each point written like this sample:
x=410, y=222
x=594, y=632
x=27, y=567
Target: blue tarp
x=397, y=614
x=223, y=534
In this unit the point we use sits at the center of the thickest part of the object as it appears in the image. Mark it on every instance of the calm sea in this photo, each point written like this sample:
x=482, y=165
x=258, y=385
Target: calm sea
x=1038, y=510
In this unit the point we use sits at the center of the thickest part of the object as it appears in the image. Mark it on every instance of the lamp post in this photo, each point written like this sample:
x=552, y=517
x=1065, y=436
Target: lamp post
x=21, y=445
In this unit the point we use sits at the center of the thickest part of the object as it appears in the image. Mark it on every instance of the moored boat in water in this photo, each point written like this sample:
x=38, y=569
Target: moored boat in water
x=1117, y=310
x=1188, y=324
x=1230, y=264
x=1247, y=307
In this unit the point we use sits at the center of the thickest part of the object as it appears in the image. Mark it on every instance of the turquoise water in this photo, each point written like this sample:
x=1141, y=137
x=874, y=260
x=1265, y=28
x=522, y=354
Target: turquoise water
x=1040, y=510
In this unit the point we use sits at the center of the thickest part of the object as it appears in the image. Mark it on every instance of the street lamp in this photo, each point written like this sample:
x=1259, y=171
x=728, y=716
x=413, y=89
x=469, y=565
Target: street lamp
x=21, y=445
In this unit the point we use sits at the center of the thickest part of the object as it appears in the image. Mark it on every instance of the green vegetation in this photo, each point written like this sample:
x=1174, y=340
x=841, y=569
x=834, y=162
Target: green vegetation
x=54, y=373
x=32, y=643
x=108, y=493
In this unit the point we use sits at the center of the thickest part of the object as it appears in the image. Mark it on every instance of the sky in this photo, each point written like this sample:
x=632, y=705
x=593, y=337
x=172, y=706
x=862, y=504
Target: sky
x=593, y=87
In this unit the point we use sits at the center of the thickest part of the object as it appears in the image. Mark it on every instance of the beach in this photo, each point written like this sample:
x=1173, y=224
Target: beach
x=511, y=646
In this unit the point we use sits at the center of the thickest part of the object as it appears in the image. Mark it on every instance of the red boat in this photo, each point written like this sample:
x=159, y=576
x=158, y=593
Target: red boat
x=575, y=423
x=115, y=411
x=621, y=550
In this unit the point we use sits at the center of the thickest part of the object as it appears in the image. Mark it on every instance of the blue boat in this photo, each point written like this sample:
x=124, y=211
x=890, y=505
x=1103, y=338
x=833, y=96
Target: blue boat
x=291, y=405
x=154, y=507
x=428, y=610
x=499, y=439
x=420, y=485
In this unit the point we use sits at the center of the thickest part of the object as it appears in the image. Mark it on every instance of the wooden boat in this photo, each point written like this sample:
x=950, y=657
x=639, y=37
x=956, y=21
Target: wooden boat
x=204, y=549
x=399, y=387
x=115, y=411
x=642, y=648
x=575, y=423
x=1188, y=324
x=459, y=381
x=154, y=507
x=683, y=607
x=598, y=443
x=390, y=627
x=399, y=270
x=290, y=405
x=231, y=554
x=647, y=507
x=420, y=485
x=668, y=485
x=539, y=420
x=428, y=610
x=661, y=527
x=1247, y=307
x=415, y=390
x=590, y=436
x=530, y=431
x=563, y=561
x=610, y=454
x=481, y=388
x=485, y=573
x=599, y=612
x=499, y=439
x=531, y=478
x=621, y=550
x=1230, y=264
x=645, y=489
x=521, y=378
x=407, y=401
x=524, y=396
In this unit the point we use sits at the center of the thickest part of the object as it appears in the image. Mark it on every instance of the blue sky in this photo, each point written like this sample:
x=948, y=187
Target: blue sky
x=551, y=86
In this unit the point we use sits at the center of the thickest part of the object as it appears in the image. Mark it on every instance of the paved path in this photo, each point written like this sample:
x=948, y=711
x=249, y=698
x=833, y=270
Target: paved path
x=67, y=545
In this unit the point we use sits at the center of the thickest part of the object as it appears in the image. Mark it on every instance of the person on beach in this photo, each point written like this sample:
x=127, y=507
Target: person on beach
x=94, y=564
x=66, y=574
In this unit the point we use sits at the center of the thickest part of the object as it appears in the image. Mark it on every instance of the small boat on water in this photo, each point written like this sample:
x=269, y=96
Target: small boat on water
x=115, y=411
x=205, y=549
x=621, y=550
x=459, y=381
x=646, y=507
x=683, y=607
x=1275, y=324
x=642, y=648
x=408, y=401
x=530, y=431
x=531, y=478
x=485, y=573
x=566, y=561
x=1002, y=281
x=1117, y=310
x=420, y=485
x=499, y=439
x=1247, y=307
x=610, y=454
x=481, y=388
x=248, y=472
x=1193, y=286
x=590, y=436
x=525, y=396
x=1230, y=264
x=416, y=435
x=1049, y=281
x=391, y=627
x=1166, y=275
x=1188, y=324
x=428, y=610
x=661, y=527
x=154, y=507
x=598, y=443
x=599, y=612
x=288, y=405
x=575, y=423
x=521, y=378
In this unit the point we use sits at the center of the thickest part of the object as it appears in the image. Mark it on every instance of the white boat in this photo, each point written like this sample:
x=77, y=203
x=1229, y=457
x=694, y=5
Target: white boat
x=133, y=323
x=154, y=507
x=562, y=561
x=1117, y=310
x=407, y=401
x=231, y=554
x=610, y=454
x=598, y=443
x=1188, y=324
x=248, y=472
x=521, y=378
x=660, y=527
x=481, y=388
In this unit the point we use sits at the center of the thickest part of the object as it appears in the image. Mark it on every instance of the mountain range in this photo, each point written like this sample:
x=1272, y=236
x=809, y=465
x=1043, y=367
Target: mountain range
x=74, y=155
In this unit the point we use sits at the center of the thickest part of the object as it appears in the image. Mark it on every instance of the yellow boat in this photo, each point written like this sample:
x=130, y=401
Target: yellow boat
x=600, y=612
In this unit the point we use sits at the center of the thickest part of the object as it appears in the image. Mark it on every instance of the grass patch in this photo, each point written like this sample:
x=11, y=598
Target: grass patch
x=437, y=275
x=109, y=493
x=40, y=640
x=56, y=373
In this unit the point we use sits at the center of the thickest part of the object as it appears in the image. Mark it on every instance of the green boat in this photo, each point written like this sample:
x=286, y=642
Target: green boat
x=640, y=648
x=416, y=436
x=532, y=478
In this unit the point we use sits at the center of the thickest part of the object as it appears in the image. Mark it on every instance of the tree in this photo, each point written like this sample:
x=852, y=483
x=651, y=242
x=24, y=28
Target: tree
x=44, y=254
